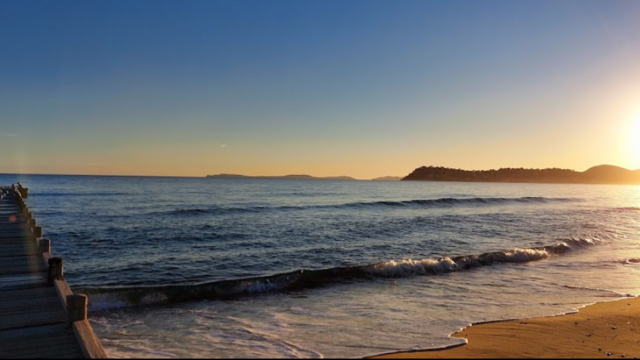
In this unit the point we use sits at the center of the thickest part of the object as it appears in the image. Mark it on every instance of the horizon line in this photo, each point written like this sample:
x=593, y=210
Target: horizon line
x=293, y=174
x=180, y=176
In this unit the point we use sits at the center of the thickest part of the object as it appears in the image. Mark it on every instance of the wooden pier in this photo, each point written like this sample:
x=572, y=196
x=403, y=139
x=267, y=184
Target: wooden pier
x=40, y=317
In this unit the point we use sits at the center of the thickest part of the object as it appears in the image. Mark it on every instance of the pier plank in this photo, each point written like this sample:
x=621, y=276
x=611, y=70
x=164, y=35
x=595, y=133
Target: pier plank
x=31, y=293
x=10, y=251
x=42, y=298
x=22, y=265
x=39, y=317
x=16, y=282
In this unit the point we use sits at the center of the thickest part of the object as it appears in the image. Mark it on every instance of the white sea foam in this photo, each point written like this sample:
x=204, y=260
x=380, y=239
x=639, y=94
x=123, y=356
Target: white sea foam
x=523, y=255
x=413, y=267
x=582, y=242
x=447, y=264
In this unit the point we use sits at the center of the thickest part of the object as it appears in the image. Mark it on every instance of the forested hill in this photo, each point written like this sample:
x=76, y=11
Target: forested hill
x=602, y=174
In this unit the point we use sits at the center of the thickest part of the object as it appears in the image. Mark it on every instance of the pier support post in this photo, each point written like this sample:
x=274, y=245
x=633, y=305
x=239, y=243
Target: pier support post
x=56, y=271
x=37, y=232
x=44, y=246
x=76, y=308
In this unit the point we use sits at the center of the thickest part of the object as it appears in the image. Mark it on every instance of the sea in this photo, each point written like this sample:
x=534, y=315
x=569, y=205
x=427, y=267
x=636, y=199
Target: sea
x=295, y=268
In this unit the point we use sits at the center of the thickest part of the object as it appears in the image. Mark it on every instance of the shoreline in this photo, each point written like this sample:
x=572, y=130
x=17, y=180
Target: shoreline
x=608, y=329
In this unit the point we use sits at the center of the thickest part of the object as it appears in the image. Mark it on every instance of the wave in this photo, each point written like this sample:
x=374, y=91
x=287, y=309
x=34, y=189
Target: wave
x=630, y=261
x=629, y=208
x=102, y=298
x=463, y=201
x=78, y=194
x=605, y=292
x=430, y=203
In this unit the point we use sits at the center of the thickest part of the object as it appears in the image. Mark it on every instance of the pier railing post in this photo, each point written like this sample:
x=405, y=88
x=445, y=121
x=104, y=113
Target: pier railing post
x=44, y=246
x=37, y=232
x=56, y=271
x=76, y=308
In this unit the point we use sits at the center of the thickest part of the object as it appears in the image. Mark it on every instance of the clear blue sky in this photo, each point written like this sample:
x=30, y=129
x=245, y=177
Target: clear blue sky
x=359, y=88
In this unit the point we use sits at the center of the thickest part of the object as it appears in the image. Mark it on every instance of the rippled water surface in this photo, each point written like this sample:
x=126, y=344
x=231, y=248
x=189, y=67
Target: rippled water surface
x=196, y=267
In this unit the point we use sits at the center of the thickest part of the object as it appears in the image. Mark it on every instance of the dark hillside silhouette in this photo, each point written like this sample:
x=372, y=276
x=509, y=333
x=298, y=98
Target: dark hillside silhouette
x=602, y=174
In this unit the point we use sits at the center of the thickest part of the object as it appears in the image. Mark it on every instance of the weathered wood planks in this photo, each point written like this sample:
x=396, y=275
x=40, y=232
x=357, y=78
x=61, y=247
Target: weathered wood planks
x=35, y=321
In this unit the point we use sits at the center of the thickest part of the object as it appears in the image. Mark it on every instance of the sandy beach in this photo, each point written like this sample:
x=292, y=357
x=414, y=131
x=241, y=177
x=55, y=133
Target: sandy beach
x=602, y=330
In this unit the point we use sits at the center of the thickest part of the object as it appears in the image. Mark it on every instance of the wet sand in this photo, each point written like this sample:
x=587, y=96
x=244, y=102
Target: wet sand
x=602, y=330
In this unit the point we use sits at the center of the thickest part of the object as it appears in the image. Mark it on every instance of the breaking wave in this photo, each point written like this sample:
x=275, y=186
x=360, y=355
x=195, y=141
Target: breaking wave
x=113, y=297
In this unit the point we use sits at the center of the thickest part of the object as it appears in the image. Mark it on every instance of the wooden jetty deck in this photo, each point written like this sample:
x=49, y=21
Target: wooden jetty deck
x=40, y=317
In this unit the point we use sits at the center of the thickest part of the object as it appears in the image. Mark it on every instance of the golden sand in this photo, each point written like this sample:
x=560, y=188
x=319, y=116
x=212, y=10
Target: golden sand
x=602, y=330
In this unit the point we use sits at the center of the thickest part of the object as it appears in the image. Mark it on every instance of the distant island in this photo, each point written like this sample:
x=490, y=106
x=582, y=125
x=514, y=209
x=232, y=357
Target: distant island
x=602, y=174
x=388, y=178
x=296, y=177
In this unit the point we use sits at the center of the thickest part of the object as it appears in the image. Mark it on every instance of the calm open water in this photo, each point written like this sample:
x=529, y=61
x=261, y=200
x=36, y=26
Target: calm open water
x=196, y=267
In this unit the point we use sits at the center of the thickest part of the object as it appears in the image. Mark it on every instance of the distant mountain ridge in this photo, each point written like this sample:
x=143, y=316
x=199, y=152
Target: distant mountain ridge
x=601, y=174
x=388, y=178
x=298, y=177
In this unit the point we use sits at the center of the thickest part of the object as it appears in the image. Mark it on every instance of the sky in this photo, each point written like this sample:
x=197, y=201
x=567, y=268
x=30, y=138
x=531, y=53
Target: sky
x=362, y=88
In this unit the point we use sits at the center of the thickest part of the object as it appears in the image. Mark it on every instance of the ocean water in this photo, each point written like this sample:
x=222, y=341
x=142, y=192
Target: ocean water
x=197, y=267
